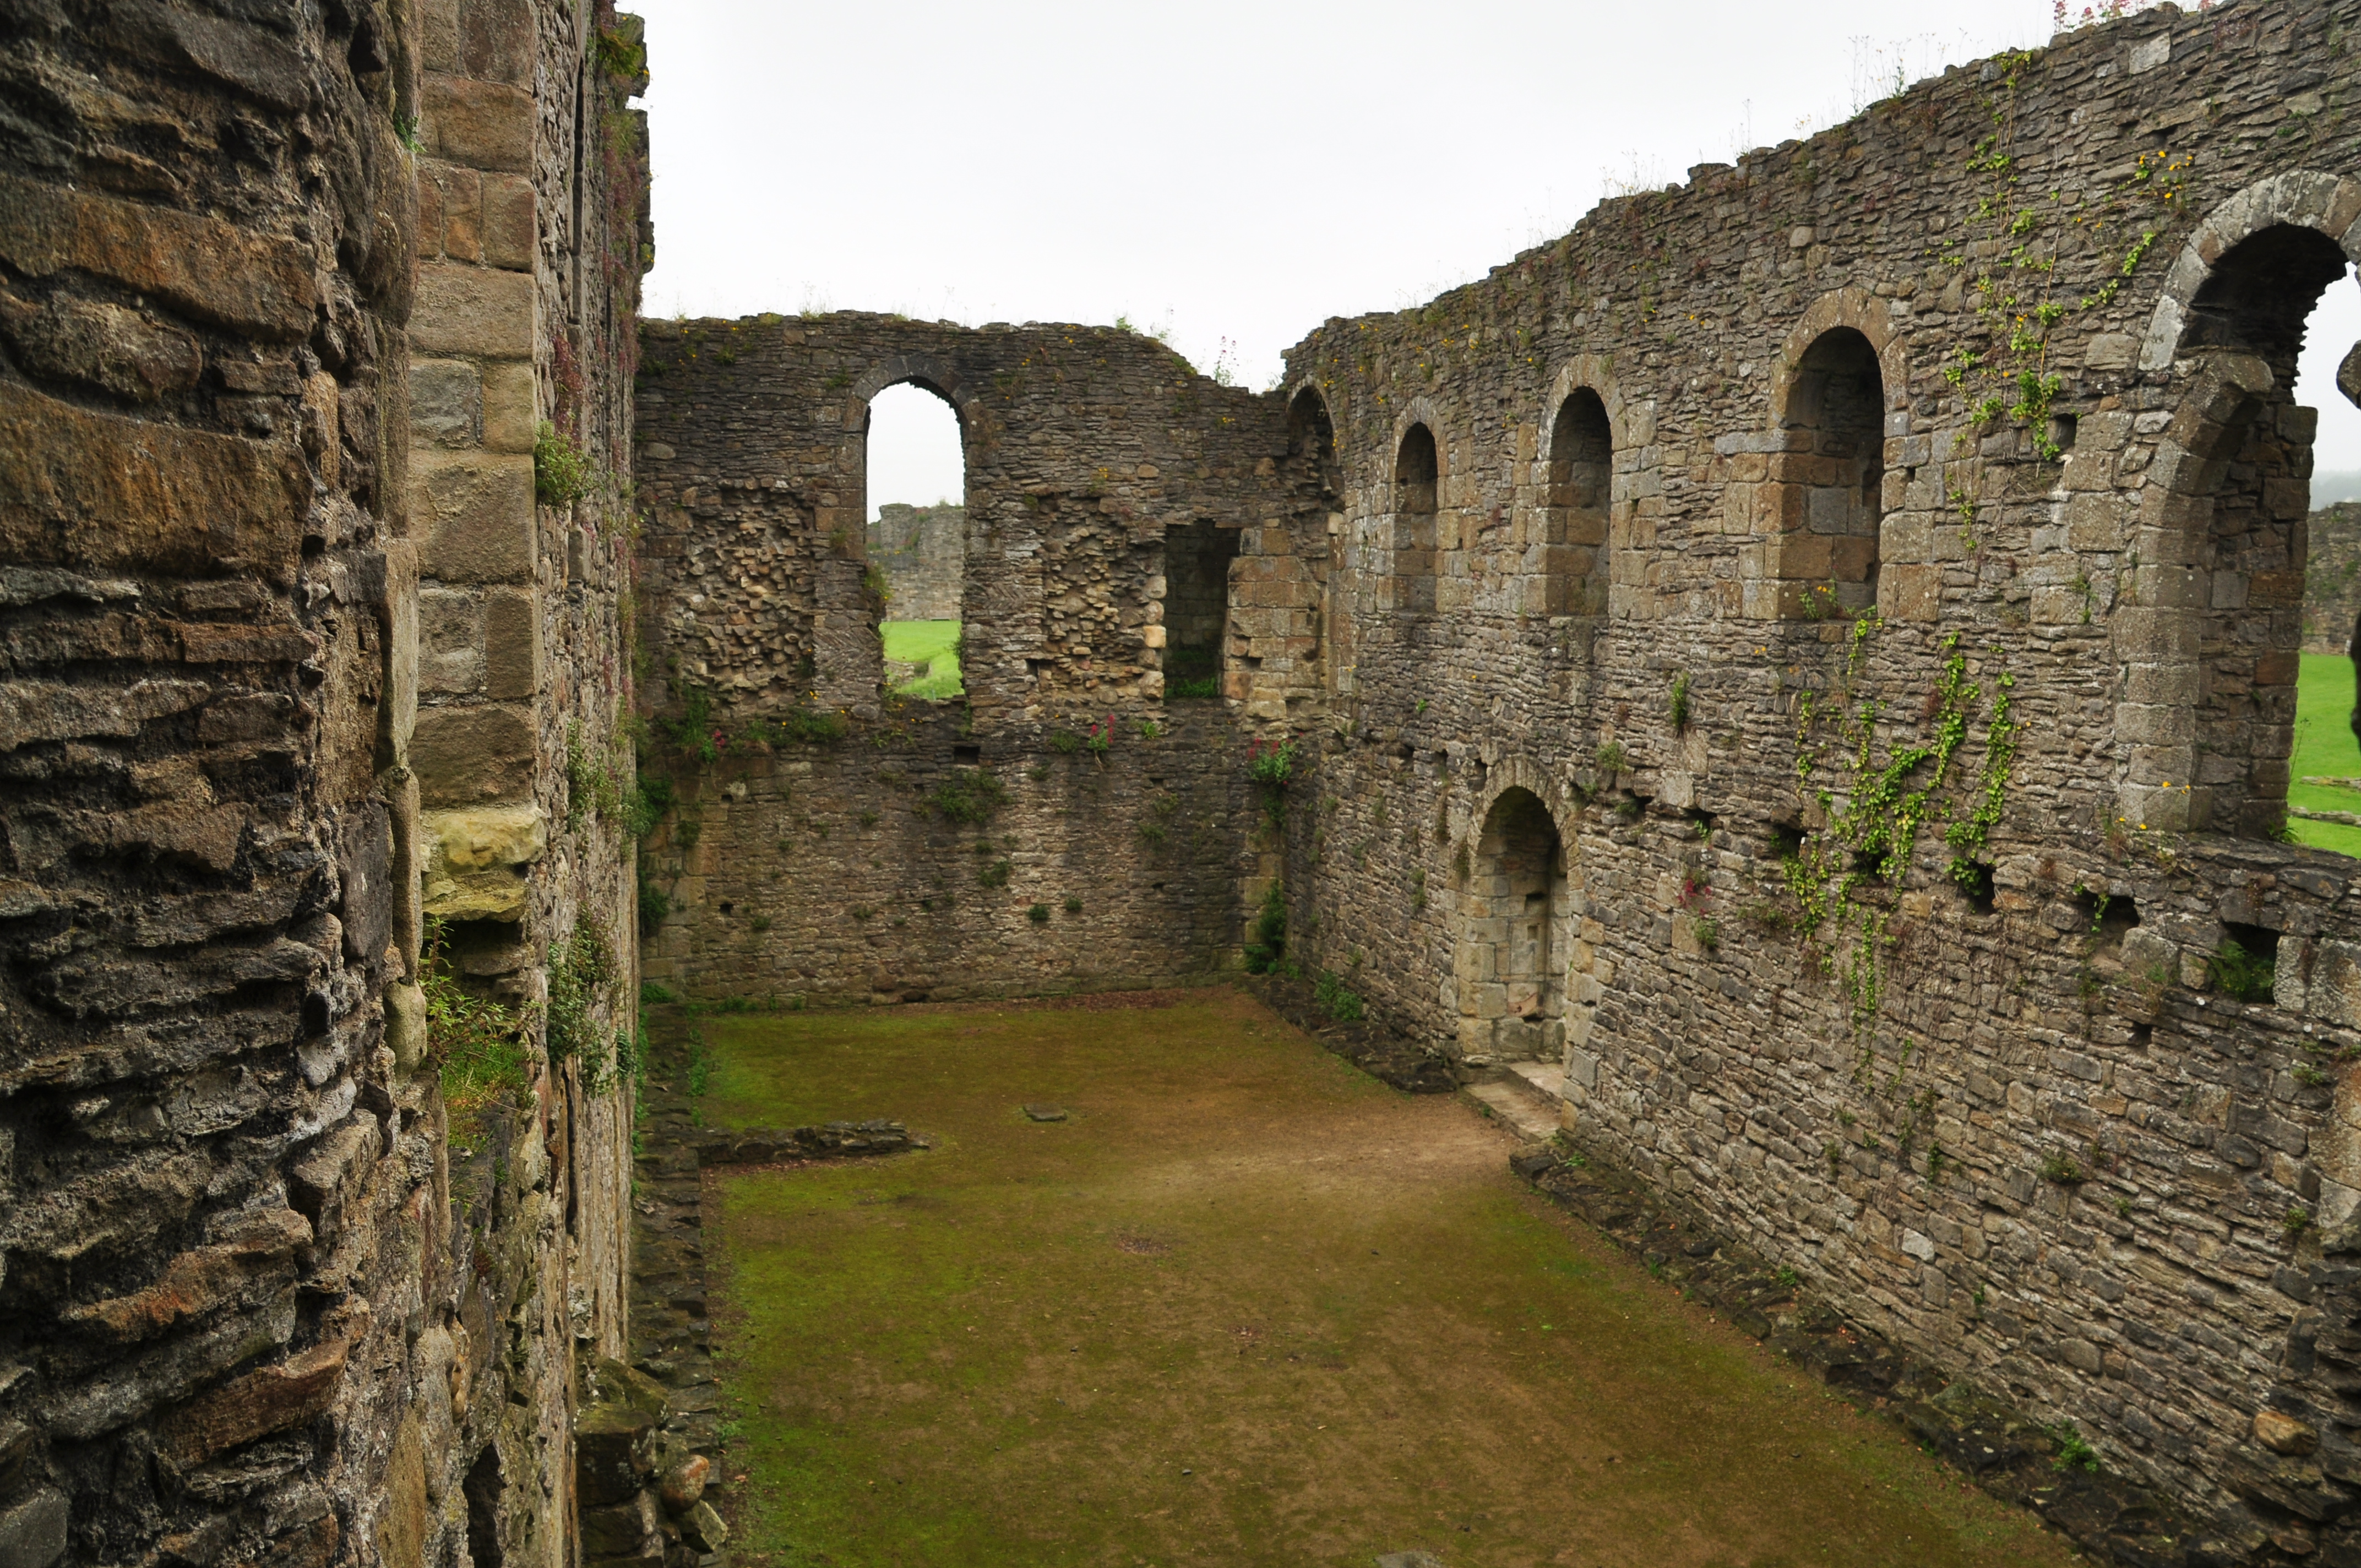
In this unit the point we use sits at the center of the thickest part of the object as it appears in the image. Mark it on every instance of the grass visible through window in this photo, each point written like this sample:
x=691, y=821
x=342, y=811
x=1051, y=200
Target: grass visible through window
x=933, y=646
x=2324, y=748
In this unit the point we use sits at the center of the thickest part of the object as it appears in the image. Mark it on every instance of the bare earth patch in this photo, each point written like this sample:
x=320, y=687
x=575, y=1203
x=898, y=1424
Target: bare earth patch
x=1244, y=1305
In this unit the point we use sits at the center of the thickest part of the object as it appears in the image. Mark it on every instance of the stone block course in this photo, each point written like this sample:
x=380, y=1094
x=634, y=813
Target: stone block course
x=232, y=1243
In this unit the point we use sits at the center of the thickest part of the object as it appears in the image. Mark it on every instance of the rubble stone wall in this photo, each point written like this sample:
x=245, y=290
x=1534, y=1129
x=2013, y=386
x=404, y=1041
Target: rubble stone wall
x=1082, y=446
x=923, y=552
x=834, y=868
x=918, y=860
x=2331, y=577
x=276, y=287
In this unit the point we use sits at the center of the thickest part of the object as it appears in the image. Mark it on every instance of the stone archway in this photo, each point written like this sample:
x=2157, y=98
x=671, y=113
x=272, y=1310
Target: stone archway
x=2207, y=648
x=1515, y=935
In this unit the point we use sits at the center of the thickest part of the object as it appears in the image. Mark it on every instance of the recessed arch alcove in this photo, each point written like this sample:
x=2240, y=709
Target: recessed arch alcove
x=1515, y=934
x=1570, y=560
x=1417, y=486
x=1834, y=469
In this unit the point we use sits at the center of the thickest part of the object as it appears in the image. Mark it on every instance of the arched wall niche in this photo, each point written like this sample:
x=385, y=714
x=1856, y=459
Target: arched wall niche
x=1583, y=559
x=2207, y=644
x=1412, y=517
x=1567, y=566
x=1513, y=935
x=1817, y=489
x=1522, y=987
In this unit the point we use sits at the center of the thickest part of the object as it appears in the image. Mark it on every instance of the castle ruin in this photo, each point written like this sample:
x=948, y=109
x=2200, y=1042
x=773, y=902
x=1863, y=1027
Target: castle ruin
x=1798, y=671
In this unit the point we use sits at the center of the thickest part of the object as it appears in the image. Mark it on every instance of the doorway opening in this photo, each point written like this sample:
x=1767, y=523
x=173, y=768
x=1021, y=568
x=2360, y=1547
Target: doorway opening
x=1514, y=942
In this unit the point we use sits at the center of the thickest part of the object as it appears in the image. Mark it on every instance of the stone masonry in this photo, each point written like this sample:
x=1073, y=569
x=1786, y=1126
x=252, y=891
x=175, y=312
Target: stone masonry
x=923, y=552
x=1800, y=667
x=1799, y=670
x=2331, y=577
x=289, y=660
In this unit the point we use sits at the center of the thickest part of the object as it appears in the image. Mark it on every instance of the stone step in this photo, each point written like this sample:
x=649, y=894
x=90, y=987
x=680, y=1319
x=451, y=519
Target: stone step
x=1520, y=1108
x=1545, y=1081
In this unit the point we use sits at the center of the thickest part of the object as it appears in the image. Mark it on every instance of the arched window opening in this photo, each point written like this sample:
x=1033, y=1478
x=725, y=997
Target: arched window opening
x=2257, y=462
x=1311, y=444
x=917, y=538
x=1830, y=554
x=1197, y=558
x=1515, y=939
x=1418, y=472
x=1573, y=565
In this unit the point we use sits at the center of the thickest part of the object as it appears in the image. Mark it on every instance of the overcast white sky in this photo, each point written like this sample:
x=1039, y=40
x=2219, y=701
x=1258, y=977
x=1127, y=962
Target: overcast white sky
x=1237, y=172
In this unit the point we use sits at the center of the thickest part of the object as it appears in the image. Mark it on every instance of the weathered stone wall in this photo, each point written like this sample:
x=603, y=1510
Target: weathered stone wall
x=826, y=871
x=1082, y=446
x=921, y=860
x=253, y=1305
x=923, y=552
x=2331, y=577
x=1990, y=1114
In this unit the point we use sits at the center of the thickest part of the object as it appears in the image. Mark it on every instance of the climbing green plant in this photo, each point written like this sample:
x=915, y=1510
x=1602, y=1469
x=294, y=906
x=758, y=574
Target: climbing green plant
x=1874, y=811
x=2008, y=255
x=477, y=1042
x=562, y=475
x=581, y=969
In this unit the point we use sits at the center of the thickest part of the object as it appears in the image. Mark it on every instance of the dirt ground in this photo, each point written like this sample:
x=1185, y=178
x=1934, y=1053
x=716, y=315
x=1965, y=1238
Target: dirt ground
x=1244, y=1306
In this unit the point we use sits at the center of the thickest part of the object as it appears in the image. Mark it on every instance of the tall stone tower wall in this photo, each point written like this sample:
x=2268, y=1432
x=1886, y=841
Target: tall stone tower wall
x=922, y=550
x=284, y=293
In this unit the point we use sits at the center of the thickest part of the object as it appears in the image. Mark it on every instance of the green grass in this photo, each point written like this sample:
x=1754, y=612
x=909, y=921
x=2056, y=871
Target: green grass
x=1245, y=1306
x=935, y=644
x=2324, y=748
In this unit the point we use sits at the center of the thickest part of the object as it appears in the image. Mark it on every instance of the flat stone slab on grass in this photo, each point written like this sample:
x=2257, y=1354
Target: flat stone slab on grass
x=1045, y=1112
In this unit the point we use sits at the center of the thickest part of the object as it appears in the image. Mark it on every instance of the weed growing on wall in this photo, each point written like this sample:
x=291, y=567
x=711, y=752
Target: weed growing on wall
x=1267, y=937
x=2008, y=257
x=561, y=474
x=590, y=784
x=969, y=795
x=1339, y=1003
x=2241, y=974
x=1270, y=764
x=2074, y=1451
x=581, y=969
x=478, y=1043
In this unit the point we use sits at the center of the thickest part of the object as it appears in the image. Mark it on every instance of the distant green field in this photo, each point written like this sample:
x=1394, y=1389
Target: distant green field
x=935, y=644
x=2324, y=747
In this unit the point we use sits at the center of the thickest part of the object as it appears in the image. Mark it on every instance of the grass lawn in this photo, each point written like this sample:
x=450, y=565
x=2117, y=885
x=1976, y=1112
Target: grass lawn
x=935, y=644
x=1244, y=1305
x=2324, y=748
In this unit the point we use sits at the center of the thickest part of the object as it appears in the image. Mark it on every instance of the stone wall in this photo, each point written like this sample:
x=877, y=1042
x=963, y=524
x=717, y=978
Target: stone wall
x=833, y=869
x=2009, y=1117
x=1083, y=444
x=1808, y=656
x=920, y=859
x=2331, y=577
x=254, y=1304
x=923, y=552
